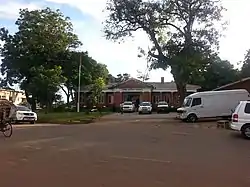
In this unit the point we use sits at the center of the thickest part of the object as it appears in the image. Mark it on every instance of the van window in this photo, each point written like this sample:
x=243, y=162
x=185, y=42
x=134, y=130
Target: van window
x=247, y=108
x=196, y=102
x=187, y=102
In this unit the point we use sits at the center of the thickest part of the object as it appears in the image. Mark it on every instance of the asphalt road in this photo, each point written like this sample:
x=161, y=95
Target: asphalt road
x=126, y=152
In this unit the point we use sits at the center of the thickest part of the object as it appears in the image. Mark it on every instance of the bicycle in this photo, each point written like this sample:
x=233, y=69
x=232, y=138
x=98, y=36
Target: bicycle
x=5, y=117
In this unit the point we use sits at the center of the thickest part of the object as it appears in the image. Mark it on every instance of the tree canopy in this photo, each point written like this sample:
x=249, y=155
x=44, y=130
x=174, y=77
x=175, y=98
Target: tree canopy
x=245, y=69
x=217, y=73
x=41, y=57
x=181, y=32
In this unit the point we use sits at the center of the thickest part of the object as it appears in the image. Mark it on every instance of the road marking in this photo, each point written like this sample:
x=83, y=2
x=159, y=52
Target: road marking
x=34, y=125
x=142, y=159
x=180, y=133
x=40, y=140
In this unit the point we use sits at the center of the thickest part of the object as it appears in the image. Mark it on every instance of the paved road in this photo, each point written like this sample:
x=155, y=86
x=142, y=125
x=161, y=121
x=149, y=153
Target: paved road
x=139, y=153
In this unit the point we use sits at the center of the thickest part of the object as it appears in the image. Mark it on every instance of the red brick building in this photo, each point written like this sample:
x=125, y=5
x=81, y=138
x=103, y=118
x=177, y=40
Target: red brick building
x=241, y=84
x=132, y=89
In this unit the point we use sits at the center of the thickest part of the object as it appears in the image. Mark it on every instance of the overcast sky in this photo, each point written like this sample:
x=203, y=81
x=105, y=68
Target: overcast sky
x=87, y=17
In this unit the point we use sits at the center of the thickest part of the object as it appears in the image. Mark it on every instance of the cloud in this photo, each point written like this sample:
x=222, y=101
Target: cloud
x=92, y=7
x=120, y=58
x=10, y=9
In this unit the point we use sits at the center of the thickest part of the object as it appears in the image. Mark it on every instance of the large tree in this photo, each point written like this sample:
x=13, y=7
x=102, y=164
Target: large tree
x=91, y=70
x=30, y=54
x=181, y=32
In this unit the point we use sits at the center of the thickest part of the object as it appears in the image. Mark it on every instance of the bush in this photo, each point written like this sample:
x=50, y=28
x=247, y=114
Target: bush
x=68, y=117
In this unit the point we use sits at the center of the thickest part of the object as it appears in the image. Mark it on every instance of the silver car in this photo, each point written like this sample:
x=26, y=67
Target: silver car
x=145, y=107
x=128, y=106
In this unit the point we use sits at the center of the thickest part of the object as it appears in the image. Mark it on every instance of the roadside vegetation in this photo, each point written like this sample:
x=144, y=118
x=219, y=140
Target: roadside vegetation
x=69, y=117
x=43, y=55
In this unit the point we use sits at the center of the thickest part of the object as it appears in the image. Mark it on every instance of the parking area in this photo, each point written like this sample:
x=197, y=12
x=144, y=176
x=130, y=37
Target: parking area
x=125, y=150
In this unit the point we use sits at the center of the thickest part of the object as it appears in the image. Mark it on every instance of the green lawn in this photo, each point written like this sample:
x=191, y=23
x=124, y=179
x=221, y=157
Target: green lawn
x=68, y=117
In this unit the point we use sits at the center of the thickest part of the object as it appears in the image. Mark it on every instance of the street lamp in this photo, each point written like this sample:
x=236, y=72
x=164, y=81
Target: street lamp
x=79, y=84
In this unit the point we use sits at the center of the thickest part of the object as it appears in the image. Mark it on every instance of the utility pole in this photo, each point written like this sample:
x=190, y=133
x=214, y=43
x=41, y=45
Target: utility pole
x=79, y=84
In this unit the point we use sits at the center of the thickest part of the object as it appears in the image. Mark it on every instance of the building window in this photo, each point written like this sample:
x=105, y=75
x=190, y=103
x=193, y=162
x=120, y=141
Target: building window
x=101, y=99
x=110, y=99
x=165, y=98
x=156, y=98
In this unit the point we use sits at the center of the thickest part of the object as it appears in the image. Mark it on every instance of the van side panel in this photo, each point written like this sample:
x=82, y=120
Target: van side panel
x=218, y=104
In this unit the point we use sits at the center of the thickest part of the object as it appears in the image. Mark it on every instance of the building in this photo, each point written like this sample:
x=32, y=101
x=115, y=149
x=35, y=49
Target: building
x=241, y=84
x=12, y=95
x=132, y=89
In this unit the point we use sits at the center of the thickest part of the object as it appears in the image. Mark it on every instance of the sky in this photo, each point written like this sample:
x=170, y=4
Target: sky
x=87, y=17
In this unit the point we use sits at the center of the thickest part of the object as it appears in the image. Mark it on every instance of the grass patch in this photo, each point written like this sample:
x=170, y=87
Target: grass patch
x=69, y=117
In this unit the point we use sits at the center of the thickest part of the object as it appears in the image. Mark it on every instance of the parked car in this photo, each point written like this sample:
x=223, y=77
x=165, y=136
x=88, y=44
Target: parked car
x=145, y=107
x=211, y=104
x=163, y=107
x=23, y=114
x=128, y=106
x=241, y=119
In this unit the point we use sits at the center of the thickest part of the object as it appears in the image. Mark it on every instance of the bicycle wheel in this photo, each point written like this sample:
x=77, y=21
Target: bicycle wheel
x=7, y=130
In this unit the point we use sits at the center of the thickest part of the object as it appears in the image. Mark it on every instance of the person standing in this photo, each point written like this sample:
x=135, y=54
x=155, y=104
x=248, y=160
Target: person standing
x=137, y=103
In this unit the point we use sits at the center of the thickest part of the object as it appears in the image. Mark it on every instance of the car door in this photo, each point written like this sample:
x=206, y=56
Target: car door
x=244, y=114
x=197, y=107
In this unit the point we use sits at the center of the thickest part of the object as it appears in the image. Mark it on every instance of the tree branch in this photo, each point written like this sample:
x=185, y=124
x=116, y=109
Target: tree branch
x=63, y=89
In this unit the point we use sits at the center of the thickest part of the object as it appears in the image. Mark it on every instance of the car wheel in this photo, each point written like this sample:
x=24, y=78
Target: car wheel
x=139, y=112
x=150, y=112
x=192, y=118
x=32, y=122
x=245, y=131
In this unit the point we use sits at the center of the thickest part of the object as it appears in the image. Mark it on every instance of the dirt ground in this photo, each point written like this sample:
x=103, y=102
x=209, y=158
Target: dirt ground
x=125, y=151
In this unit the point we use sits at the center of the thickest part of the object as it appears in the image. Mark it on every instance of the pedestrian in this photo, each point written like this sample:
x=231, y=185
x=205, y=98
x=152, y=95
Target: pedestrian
x=121, y=109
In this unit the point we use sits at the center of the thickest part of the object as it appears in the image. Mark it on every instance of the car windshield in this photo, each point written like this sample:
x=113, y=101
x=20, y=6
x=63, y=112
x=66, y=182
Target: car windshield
x=127, y=103
x=187, y=102
x=162, y=103
x=23, y=108
x=145, y=104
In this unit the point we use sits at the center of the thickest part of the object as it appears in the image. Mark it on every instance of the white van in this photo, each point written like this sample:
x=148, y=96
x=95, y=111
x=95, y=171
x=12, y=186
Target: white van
x=211, y=104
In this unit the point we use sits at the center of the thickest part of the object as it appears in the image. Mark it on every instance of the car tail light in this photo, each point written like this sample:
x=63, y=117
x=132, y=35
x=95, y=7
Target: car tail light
x=235, y=117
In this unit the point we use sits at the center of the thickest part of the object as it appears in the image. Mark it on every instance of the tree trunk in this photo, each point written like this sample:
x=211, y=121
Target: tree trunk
x=72, y=94
x=181, y=88
x=49, y=106
x=68, y=96
x=67, y=93
x=31, y=101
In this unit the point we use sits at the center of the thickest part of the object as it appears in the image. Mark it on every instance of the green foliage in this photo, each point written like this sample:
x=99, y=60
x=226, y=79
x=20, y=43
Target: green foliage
x=96, y=90
x=217, y=73
x=122, y=77
x=245, y=69
x=29, y=54
x=182, y=32
x=48, y=80
x=118, y=79
x=68, y=117
x=90, y=71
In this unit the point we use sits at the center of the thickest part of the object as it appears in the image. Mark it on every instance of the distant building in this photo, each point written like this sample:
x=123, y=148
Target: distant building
x=133, y=89
x=17, y=97
x=241, y=84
